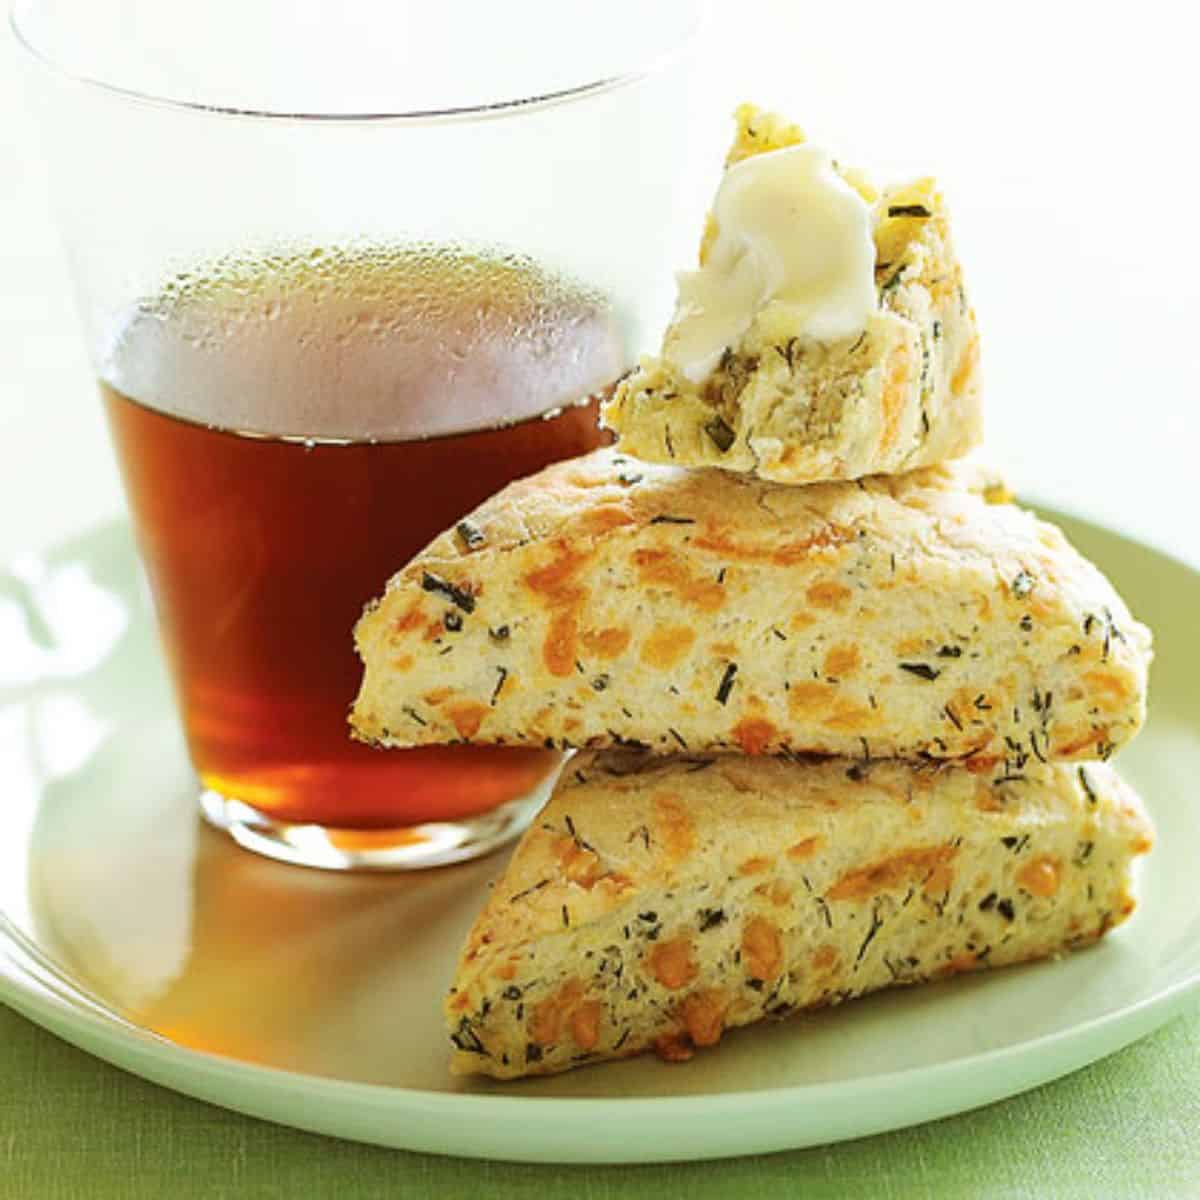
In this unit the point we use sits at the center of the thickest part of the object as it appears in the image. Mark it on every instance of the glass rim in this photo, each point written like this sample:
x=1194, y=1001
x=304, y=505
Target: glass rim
x=467, y=112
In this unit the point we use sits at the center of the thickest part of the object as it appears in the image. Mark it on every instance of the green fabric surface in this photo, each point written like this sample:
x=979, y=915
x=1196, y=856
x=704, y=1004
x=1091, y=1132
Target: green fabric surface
x=74, y=1128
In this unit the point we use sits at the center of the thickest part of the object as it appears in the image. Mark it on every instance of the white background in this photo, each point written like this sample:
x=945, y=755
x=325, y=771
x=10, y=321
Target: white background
x=1063, y=134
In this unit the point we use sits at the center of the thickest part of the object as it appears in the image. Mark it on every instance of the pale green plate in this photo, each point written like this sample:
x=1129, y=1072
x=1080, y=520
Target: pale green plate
x=313, y=999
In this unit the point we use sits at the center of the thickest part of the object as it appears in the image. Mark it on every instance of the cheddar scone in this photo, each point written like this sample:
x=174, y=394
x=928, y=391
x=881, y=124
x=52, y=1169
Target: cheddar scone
x=657, y=902
x=902, y=393
x=606, y=601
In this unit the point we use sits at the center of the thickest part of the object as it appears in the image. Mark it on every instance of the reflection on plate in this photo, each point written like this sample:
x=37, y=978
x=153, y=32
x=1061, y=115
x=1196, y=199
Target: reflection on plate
x=314, y=999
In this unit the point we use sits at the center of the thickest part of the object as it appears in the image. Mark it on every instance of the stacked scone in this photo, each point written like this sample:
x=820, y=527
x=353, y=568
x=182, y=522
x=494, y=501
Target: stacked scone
x=846, y=709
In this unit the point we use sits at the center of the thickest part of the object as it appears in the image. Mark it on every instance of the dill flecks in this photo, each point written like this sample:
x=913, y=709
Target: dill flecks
x=529, y=891
x=466, y=1039
x=665, y=519
x=580, y=842
x=909, y=210
x=1023, y=584
x=726, y=685
x=722, y=436
x=471, y=534
x=876, y=925
x=455, y=594
x=1037, y=753
x=921, y=670
x=1086, y=784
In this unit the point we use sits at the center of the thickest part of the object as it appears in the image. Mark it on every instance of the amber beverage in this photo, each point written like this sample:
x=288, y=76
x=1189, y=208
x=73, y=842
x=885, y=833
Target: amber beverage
x=293, y=428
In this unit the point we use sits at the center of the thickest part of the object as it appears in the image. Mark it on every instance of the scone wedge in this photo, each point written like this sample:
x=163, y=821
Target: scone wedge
x=787, y=407
x=606, y=601
x=657, y=902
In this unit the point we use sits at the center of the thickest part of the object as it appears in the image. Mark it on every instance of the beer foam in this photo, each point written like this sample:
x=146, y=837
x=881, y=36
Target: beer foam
x=365, y=343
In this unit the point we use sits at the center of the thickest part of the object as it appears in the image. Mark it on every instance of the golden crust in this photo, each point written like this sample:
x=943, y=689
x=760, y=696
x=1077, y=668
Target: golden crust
x=656, y=902
x=606, y=601
x=787, y=408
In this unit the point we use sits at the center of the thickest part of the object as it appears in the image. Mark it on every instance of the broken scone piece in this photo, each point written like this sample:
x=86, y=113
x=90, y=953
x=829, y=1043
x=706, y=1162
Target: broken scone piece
x=607, y=601
x=809, y=385
x=656, y=902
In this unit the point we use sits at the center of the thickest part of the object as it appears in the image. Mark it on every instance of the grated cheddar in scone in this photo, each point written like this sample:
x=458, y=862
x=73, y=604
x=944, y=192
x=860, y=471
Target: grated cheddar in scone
x=655, y=903
x=903, y=392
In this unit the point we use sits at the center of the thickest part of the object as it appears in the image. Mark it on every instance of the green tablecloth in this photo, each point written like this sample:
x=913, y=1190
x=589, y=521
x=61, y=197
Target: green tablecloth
x=73, y=1128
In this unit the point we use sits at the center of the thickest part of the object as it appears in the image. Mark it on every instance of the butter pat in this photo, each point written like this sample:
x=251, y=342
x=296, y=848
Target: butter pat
x=790, y=232
x=826, y=335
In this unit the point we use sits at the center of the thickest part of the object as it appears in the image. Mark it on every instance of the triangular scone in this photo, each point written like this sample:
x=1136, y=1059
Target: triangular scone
x=904, y=394
x=656, y=902
x=606, y=601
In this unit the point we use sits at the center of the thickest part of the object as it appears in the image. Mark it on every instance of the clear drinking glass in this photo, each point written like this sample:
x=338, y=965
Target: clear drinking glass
x=344, y=271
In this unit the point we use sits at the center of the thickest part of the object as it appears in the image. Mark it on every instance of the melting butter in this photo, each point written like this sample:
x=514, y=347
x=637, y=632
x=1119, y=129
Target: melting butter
x=790, y=231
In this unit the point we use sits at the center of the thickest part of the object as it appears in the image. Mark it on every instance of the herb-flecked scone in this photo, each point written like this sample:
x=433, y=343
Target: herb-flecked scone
x=656, y=902
x=606, y=601
x=903, y=393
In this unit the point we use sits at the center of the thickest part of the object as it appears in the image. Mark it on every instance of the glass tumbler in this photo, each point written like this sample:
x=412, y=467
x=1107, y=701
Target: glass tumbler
x=345, y=271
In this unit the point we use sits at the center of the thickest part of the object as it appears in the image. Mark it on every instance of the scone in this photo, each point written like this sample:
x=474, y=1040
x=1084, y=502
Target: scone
x=657, y=902
x=904, y=393
x=606, y=601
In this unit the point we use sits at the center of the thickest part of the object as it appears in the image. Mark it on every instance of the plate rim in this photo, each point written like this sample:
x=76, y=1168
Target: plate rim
x=66, y=1011
x=123, y=1044
x=99, y=1015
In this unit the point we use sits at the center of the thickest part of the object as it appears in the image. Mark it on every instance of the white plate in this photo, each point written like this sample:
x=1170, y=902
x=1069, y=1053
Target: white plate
x=131, y=930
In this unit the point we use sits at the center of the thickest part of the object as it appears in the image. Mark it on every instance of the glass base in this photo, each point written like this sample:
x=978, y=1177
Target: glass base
x=410, y=848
